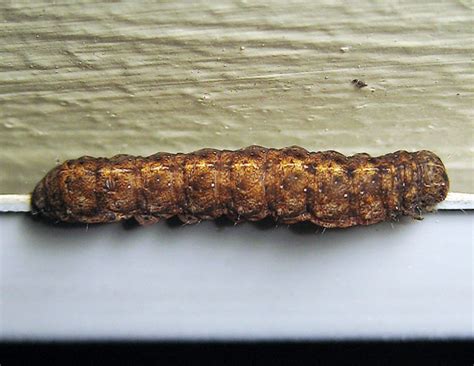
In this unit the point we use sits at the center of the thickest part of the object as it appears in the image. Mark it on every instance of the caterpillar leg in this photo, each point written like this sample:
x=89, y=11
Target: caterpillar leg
x=188, y=219
x=145, y=220
x=416, y=213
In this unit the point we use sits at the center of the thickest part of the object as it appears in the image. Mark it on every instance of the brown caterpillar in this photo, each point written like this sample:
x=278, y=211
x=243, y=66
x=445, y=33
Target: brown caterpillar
x=290, y=184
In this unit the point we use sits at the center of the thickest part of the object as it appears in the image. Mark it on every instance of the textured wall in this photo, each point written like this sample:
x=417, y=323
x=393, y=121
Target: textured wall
x=107, y=78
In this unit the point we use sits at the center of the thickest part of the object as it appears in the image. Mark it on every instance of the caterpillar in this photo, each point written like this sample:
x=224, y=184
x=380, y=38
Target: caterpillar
x=289, y=184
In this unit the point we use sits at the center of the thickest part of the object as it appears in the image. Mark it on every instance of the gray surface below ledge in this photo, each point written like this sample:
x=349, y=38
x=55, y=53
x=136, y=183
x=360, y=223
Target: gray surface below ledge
x=406, y=280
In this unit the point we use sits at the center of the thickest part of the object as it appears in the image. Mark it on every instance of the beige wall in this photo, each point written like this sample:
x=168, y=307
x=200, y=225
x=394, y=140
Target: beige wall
x=108, y=78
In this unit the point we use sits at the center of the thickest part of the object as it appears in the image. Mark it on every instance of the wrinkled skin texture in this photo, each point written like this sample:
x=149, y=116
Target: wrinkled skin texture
x=290, y=184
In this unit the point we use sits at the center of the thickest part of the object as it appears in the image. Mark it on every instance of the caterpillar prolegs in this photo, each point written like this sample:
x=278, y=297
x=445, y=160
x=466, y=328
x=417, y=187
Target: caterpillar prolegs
x=290, y=184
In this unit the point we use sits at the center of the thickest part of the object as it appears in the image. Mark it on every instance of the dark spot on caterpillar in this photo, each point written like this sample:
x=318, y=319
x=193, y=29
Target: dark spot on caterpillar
x=311, y=168
x=289, y=184
x=110, y=216
x=109, y=184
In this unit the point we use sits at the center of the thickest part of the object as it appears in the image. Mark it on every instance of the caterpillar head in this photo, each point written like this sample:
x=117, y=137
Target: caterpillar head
x=435, y=182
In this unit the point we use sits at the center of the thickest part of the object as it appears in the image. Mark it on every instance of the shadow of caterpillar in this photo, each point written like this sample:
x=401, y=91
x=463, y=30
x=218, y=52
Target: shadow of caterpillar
x=290, y=184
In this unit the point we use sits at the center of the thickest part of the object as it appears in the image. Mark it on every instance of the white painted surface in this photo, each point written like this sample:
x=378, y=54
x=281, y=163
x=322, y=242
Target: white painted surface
x=225, y=282
x=457, y=201
x=15, y=202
